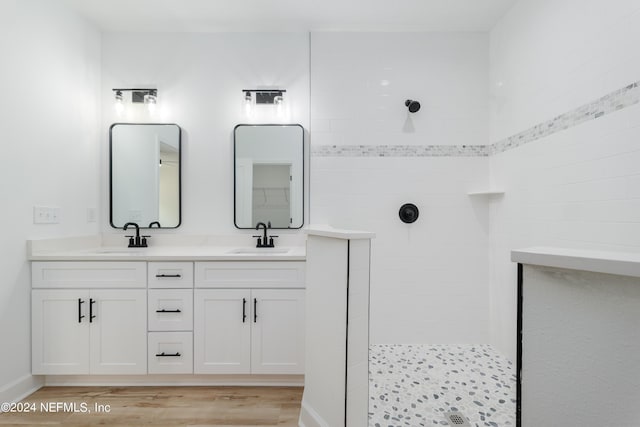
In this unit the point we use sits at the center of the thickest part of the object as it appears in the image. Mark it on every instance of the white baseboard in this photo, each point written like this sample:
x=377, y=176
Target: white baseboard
x=21, y=388
x=176, y=380
x=309, y=417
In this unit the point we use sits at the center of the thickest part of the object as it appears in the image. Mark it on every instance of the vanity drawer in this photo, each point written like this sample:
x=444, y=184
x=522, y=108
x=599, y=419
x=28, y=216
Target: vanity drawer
x=245, y=274
x=171, y=275
x=170, y=353
x=170, y=309
x=88, y=274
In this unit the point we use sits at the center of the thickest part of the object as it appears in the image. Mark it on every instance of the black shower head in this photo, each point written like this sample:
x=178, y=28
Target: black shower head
x=412, y=105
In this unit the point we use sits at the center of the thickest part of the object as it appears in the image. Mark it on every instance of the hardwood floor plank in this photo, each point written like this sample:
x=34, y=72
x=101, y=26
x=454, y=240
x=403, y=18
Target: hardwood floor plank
x=165, y=406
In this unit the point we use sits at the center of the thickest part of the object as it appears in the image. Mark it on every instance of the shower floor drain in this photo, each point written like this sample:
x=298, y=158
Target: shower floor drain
x=457, y=419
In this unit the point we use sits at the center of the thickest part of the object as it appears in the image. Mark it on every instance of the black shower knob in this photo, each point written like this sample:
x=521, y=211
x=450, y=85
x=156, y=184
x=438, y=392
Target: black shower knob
x=413, y=106
x=408, y=213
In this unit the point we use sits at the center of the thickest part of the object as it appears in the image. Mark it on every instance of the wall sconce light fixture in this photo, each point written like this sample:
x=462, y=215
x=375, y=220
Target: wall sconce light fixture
x=263, y=97
x=266, y=96
x=148, y=96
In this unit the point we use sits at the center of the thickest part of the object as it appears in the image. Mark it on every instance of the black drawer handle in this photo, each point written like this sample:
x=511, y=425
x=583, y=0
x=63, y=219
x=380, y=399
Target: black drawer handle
x=80, y=315
x=91, y=316
x=168, y=275
x=244, y=309
x=255, y=310
x=163, y=354
x=169, y=311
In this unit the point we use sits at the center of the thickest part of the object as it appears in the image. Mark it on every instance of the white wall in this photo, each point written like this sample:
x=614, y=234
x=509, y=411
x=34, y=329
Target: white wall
x=429, y=280
x=50, y=143
x=577, y=187
x=200, y=78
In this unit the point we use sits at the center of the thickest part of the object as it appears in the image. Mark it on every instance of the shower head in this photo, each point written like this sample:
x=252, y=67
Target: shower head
x=412, y=105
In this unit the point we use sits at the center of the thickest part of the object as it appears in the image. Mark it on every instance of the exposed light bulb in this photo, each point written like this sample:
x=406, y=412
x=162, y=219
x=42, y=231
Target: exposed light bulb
x=119, y=104
x=247, y=103
x=278, y=100
x=150, y=100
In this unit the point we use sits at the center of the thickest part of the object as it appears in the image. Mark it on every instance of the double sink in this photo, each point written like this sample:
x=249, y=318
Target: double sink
x=232, y=251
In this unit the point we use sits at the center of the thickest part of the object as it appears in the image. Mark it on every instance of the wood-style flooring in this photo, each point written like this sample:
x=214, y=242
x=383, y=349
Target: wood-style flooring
x=163, y=406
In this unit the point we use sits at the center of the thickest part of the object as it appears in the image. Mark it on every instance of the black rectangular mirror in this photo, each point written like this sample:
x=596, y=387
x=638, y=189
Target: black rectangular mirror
x=269, y=175
x=144, y=174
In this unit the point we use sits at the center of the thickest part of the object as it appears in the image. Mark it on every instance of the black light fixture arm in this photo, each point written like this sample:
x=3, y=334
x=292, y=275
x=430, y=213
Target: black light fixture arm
x=135, y=90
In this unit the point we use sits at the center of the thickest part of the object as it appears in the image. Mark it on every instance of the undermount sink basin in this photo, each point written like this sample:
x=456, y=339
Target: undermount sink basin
x=259, y=251
x=115, y=251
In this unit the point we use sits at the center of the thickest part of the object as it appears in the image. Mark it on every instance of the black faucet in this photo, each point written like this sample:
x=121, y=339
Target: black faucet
x=264, y=241
x=154, y=222
x=136, y=242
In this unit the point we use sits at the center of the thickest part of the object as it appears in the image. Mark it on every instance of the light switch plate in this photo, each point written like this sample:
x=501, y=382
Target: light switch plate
x=91, y=215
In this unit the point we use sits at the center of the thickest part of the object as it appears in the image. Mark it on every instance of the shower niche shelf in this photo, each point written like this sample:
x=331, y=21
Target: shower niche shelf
x=486, y=193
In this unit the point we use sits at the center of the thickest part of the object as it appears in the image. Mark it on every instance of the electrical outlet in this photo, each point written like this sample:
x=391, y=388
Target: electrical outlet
x=46, y=215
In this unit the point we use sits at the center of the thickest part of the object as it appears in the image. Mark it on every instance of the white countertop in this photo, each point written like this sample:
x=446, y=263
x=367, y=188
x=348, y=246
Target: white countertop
x=176, y=253
x=163, y=248
x=328, y=231
x=621, y=263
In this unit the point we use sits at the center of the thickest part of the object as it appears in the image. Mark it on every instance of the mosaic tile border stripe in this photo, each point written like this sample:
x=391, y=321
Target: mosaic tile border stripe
x=400, y=150
x=612, y=102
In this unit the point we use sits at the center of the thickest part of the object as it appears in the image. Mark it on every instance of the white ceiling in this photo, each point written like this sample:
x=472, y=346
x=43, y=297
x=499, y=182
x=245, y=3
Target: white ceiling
x=292, y=15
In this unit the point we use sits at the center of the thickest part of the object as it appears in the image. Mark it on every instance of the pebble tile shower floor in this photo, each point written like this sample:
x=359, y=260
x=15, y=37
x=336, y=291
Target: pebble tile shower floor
x=415, y=385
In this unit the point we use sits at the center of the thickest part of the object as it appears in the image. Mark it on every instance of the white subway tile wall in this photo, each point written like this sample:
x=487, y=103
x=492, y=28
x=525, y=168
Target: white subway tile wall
x=572, y=181
x=429, y=279
x=576, y=187
x=610, y=103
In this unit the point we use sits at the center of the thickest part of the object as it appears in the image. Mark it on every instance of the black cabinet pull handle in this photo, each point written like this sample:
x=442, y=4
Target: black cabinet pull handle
x=163, y=354
x=91, y=316
x=244, y=309
x=177, y=310
x=255, y=310
x=80, y=315
x=168, y=275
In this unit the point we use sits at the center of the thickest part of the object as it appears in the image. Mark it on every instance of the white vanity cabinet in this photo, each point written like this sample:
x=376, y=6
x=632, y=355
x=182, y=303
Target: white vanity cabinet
x=249, y=317
x=89, y=318
x=169, y=317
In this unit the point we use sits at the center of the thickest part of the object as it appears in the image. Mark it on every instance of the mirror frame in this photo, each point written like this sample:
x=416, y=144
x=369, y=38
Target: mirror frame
x=234, y=174
x=179, y=172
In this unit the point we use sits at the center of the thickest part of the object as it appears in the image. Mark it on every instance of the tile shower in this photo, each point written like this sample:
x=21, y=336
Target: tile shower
x=416, y=385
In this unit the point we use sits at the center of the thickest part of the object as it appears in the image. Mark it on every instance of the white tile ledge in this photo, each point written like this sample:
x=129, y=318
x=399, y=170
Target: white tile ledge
x=324, y=230
x=486, y=193
x=620, y=263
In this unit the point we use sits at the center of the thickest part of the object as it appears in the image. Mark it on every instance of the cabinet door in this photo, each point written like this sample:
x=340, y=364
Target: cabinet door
x=60, y=337
x=222, y=331
x=277, y=336
x=118, y=332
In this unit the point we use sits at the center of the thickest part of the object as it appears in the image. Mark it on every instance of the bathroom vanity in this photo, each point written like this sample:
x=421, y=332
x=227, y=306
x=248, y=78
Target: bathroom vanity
x=194, y=311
